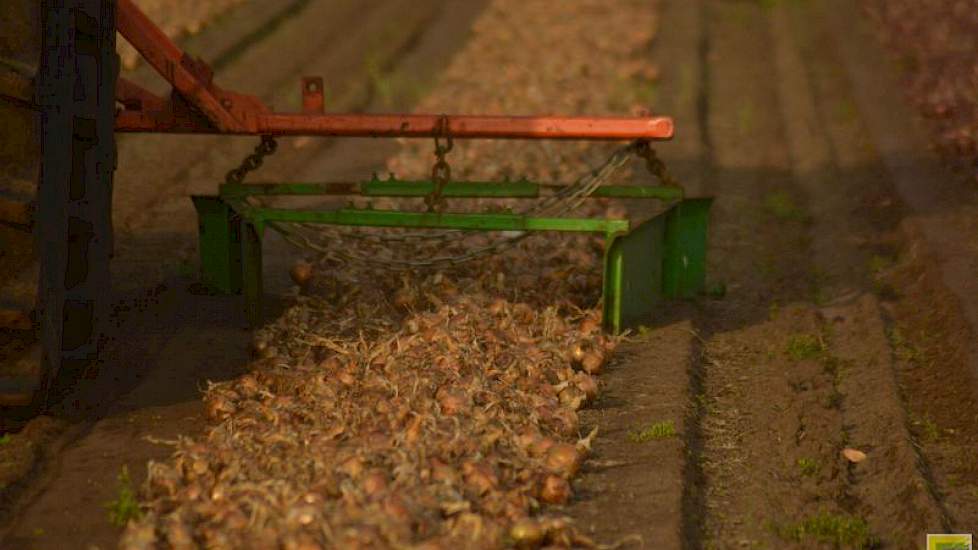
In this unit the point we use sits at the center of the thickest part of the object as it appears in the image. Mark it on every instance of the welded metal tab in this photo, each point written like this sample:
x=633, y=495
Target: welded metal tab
x=313, y=98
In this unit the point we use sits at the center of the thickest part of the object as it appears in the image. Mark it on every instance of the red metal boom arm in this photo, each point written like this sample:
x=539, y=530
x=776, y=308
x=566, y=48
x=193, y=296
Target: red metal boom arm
x=199, y=106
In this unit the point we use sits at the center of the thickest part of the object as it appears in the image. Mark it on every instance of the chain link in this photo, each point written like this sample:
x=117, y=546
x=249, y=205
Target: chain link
x=311, y=237
x=655, y=165
x=441, y=172
x=252, y=162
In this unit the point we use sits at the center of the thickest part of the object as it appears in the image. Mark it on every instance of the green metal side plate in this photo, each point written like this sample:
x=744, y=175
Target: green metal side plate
x=664, y=257
x=219, y=231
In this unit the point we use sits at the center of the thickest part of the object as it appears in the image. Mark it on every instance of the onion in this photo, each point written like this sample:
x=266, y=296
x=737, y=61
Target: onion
x=247, y=385
x=588, y=325
x=572, y=397
x=563, y=460
x=533, y=443
x=527, y=533
x=577, y=353
x=394, y=507
x=587, y=384
x=346, y=377
x=258, y=347
x=413, y=431
x=566, y=421
x=331, y=363
x=352, y=466
x=374, y=483
x=442, y=472
x=497, y=306
x=593, y=362
x=555, y=490
x=404, y=298
x=480, y=477
x=301, y=273
x=219, y=407
x=451, y=401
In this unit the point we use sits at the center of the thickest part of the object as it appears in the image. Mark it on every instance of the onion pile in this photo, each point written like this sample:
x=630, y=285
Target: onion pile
x=423, y=409
x=452, y=430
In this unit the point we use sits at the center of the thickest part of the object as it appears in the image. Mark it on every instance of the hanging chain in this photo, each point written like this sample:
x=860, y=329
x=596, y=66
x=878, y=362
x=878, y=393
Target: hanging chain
x=654, y=164
x=323, y=241
x=563, y=201
x=441, y=172
x=252, y=162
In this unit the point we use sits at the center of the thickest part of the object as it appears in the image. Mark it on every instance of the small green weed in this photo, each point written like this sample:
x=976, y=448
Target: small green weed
x=782, y=206
x=125, y=506
x=928, y=428
x=834, y=400
x=659, y=430
x=804, y=346
x=5, y=439
x=809, y=467
x=840, y=530
x=903, y=348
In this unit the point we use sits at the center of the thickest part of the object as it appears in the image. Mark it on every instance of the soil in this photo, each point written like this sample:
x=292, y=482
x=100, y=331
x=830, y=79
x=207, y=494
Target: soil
x=846, y=322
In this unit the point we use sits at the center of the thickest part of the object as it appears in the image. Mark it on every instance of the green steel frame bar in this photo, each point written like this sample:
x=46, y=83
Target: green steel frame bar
x=456, y=189
x=423, y=220
x=663, y=257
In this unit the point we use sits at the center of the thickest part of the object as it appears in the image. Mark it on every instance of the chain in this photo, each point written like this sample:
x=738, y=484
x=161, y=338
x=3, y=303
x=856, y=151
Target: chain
x=309, y=237
x=655, y=165
x=441, y=172
x=252, y=162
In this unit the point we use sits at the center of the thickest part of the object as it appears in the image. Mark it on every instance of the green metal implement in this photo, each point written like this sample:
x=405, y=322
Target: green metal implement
x=645, y=262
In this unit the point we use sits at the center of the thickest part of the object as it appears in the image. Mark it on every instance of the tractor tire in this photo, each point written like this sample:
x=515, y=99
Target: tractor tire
x=70, y=211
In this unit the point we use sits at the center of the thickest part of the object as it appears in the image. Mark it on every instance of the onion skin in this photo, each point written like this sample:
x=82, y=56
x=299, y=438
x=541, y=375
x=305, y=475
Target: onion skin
x=527, y=533
x=587, y=384
x=589, y=325
x=301, y=273
x=219, y=407
x=374, y=483
x=563, y=459
x=572, y=398
x=479, y=477
x=451, y=402
x=555, y=490
x=593, y=362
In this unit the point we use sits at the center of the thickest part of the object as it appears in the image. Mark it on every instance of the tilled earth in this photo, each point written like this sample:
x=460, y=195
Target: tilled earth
x=935, y=43
x=820, y=397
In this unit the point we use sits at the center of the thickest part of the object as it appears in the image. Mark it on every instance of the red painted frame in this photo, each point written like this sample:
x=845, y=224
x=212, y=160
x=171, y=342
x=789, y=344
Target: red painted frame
x=200, y=106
